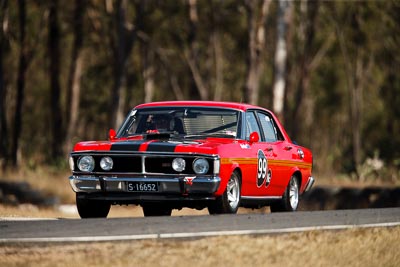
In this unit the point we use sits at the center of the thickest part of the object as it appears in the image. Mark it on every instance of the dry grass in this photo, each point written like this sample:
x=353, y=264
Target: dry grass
x=356, y=247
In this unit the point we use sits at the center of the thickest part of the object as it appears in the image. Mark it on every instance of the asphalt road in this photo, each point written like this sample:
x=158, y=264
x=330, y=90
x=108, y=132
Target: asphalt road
x=77, y=230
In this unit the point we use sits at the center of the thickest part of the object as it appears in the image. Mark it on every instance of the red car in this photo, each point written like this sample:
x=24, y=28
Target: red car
x=197, y=154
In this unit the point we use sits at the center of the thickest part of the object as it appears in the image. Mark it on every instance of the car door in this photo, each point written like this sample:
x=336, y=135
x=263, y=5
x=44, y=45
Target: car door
x=256, y=178
x=278, y=153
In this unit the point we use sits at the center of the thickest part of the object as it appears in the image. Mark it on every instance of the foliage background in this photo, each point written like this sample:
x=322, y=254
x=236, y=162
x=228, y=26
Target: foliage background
x=342, y=88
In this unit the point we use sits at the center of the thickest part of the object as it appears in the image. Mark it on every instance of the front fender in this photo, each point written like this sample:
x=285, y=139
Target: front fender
x=226, y=171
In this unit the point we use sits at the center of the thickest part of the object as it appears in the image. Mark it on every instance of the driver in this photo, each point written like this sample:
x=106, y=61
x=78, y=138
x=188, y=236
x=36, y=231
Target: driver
x=159, y=123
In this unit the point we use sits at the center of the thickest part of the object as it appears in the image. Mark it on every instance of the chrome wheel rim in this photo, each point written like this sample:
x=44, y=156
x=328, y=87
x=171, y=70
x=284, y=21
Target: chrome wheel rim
x=233, y=191
x=294, y=193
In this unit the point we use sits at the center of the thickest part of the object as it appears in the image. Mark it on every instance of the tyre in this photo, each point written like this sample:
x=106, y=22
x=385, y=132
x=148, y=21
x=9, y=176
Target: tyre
x=88, y=208
x=290, y=199
x=156, y=210
x=229, y=202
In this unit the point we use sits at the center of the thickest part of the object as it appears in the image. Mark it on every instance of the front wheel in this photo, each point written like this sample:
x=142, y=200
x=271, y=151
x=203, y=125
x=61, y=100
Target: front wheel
x=290, y=199
x=229, y=202
x=88, y=208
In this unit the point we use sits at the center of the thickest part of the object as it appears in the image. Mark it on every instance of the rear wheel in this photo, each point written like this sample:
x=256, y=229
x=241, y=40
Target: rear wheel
x=88, y=208
x=290, y=199
x=229, y=202
x=156, y=210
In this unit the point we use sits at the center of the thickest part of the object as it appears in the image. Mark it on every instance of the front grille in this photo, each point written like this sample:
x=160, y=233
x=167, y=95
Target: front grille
x=164, y=165
x=142, y=164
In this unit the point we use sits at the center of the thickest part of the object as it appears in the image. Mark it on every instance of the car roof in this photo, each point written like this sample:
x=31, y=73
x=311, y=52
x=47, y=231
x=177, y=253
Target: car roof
x=234, y=105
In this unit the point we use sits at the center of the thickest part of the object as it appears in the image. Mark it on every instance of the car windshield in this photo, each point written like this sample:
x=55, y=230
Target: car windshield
x=184, y=121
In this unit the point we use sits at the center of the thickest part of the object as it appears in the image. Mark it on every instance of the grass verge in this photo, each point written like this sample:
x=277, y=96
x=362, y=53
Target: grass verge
x=354, y=247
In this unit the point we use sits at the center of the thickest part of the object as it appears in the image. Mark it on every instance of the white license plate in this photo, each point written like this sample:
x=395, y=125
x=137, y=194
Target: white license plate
x=142, y=187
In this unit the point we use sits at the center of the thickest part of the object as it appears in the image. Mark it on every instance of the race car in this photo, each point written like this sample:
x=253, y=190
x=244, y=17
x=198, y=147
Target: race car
x=197, y=154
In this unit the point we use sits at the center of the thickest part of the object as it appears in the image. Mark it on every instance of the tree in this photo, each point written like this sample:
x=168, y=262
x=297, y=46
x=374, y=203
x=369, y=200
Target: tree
x=302, y=110
x=75, y=73
x=55, y=87
x=122, y=45
x=192, y=52
x=284, y=18
x=256, y=18
x=3, y=120
x=22, y=67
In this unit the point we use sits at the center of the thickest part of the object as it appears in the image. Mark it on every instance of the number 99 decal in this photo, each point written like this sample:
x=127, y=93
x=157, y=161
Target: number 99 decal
x=262, y=169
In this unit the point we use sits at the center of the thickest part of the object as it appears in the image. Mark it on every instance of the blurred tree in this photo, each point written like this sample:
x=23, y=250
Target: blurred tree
x=256, y=17
x=122, y=45
x=3, y=86
x=284, y=19
x=22, y=67
x=75, y=74
x=55, y=87
x=192, y=53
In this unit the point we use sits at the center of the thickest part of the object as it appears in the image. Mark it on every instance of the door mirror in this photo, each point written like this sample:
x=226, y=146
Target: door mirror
x=112, y=134
x=254, y=137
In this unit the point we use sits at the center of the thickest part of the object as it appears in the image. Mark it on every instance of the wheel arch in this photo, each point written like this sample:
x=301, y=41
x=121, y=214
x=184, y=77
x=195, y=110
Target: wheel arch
x=298, y=175
x=225, y=175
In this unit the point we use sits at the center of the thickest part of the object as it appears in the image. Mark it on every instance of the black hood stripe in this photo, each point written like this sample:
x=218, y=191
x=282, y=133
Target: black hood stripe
x=161, y=147
x=126, y=146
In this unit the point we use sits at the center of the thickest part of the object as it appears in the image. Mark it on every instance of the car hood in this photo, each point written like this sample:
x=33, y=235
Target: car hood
x=204, y=146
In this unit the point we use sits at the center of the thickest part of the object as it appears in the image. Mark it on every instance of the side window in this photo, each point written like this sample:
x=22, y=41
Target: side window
x=268, y=127
x=251, y=125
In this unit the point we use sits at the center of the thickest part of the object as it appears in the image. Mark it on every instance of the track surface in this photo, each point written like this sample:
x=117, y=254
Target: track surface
x=75, y=230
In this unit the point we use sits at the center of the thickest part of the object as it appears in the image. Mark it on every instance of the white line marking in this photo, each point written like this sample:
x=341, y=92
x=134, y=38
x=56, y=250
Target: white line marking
x=11, y=219
x=199, y=234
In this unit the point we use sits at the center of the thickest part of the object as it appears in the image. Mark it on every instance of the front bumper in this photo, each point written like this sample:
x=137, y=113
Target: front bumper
x=183, y=185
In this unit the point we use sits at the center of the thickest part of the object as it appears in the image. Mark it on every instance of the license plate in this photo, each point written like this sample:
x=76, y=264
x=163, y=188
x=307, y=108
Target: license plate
x=142, y=187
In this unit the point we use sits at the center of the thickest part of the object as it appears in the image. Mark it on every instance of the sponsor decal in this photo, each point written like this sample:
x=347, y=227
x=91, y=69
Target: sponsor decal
x=245, y=146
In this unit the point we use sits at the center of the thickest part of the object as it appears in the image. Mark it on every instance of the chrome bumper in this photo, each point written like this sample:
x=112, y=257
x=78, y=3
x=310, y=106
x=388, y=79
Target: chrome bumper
x=309, y=184
x=169, y=185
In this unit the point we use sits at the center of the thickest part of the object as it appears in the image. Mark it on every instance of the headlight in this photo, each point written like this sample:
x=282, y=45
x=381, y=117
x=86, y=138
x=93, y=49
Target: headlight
x=178, y=164
x=86, y=163
x=200, y=166
x=106, y=163
x=71, y=163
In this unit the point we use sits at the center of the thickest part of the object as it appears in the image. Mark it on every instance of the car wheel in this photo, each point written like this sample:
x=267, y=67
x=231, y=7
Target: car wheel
x=229, y=202
x=156, y=210
x=88, y=208
x=290, y=199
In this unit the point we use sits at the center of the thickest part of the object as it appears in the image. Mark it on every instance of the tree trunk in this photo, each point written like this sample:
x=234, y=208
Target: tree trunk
x=191, y=56
x=218, y=53
x=148, y=73
x=55, y=56
x=75, y=73
x=303, y=110
x=3, y=93
x=284, y=18
x=22, y=67
x=356, y=72
x=256, y=30
x=124, y=45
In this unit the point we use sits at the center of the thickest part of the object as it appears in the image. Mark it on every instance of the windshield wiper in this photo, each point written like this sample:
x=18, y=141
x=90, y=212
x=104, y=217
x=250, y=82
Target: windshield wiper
x=222, y=135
